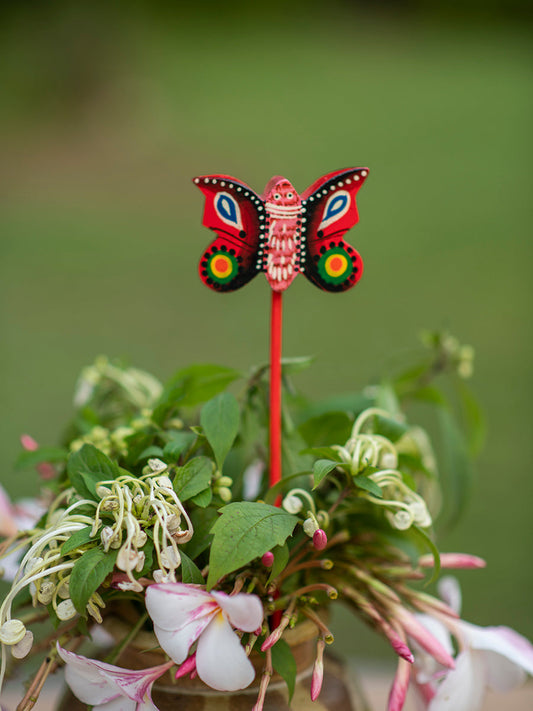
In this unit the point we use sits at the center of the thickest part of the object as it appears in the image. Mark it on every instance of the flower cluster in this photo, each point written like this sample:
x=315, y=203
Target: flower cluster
x=159, y=518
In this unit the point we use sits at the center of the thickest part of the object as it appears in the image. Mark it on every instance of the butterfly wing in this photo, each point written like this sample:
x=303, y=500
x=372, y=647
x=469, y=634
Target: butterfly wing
x=329, y=211
x=237, y=215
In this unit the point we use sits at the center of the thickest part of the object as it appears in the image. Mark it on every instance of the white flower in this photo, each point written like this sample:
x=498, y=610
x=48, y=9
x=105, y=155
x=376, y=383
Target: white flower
x=497, y=658
x=183, y=614
x=109, y=688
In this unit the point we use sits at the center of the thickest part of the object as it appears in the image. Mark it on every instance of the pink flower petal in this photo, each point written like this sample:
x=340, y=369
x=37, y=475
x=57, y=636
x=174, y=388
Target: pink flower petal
x=221, y=661
x=85, y=680
x=109, y=687
x=243, y=610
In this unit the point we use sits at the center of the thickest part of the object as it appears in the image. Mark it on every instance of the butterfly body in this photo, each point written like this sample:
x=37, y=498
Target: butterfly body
x=281, y=233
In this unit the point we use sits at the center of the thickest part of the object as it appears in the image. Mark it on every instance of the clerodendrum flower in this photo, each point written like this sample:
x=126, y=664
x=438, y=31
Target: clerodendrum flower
x=106, y=687
x=489, y=657
x=185, y=613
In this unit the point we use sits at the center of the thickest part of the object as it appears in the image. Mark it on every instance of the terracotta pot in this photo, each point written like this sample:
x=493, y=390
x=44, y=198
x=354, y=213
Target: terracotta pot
x=193, y=695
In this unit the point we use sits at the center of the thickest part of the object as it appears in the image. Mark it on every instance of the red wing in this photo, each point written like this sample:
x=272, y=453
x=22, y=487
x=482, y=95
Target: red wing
x=329, y=211
x=237, y=215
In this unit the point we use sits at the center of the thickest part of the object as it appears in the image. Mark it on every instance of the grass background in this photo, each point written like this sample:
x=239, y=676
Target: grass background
x=108, y=110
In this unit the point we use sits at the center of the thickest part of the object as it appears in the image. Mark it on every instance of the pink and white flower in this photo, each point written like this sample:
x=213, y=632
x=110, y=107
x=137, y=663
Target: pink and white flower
x=496, y=658
x=184, y=614
x=106, y=687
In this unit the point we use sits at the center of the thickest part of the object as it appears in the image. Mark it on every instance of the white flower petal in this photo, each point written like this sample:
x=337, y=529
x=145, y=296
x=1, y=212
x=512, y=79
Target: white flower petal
x=502, y=640
x=426, y=665
x=463, y=687
x=450, y=592
x=221, y=661
x=176, y=643
x=243, y=610
x=175, y=605
x=119, y=704
x=502, y=674
x=85, y=680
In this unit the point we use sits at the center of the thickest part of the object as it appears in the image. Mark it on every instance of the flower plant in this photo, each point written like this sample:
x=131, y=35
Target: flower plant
x=157, y=503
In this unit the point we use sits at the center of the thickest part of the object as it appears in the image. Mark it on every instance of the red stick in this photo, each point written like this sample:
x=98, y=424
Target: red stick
x=275, y=388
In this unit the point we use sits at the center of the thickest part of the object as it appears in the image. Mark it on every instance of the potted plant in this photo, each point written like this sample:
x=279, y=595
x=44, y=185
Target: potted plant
x=158, y=526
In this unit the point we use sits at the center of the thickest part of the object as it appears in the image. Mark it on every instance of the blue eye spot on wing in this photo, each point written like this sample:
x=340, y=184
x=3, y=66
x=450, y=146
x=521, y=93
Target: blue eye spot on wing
x=228, y=209
x=338, y=204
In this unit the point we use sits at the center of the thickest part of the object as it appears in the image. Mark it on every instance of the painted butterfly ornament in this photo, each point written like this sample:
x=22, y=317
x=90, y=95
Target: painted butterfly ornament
x=281, y=233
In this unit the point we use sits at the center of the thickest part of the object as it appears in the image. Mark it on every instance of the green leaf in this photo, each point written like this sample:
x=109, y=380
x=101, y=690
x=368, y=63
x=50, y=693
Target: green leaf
x=220, y=421
x=387, y=399
x=323, y=453
x=431, y=395
x=326, y=428
x=322, y=468
x=202, y=521
x=190, y=573
x=88, y=574
x=26, y=460
x=193, y=477
x=284, y=663
x=179, y=443
x=245, y=531
x=87, y=467
x=204, y=498
x=363, y=482
x=474, y=418
x=456, y=466
x=296, y=364
x=281, y=558
x=288, y=482
x=387, y=427
x=426, y=542
x=192, y=386
x=77, y=539
x=151, y=451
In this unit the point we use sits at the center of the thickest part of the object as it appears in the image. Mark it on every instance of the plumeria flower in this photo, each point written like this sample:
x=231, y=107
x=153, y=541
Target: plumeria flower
x=497, y=658
x=106, y=687
x=183, y=614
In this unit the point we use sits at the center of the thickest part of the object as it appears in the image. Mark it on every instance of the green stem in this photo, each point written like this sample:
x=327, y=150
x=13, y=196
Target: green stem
x=114, y=656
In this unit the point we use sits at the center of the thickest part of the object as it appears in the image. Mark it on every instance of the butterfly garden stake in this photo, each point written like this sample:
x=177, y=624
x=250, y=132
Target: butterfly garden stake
x=281, y=234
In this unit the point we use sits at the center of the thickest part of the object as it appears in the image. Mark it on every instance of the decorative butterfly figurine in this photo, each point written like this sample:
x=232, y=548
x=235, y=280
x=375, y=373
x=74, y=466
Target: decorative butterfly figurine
x=281, y=233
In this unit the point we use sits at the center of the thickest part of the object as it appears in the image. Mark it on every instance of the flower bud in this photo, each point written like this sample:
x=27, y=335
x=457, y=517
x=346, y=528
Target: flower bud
x=66, y=610
x=225, y=481
x=46, y=592
x=170, y=558
x=292, y=504
x=268, y=559
x=103, y=491
x=389, y=460
x=139, y=539
x=320, y=540
x=225, y=494
x=310, y=526
x=12, y=632
x=156, y=465
x=110, y=505
x=22, y=648
x=401, y=519
x=163, y=482
x=33, y=565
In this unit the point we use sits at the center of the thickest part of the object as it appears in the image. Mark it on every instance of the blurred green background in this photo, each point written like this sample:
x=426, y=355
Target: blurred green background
x=109, y=109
